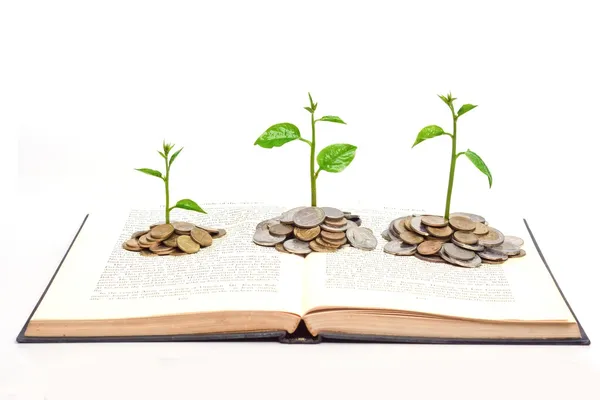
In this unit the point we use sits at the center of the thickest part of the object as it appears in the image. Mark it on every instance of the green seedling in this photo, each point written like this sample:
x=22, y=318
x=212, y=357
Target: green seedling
x=433, y=130
x=185, y=204
x=333, y=158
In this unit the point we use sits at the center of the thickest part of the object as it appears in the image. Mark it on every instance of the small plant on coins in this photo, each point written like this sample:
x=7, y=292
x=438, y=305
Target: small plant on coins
x=169, y=158
x=333, y=158
x=432, y=131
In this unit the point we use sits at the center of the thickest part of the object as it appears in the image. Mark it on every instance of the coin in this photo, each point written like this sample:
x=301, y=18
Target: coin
x=183, y=227
x=508, y=249
x=177, y=252
x=201, y=237
x=212, y=231
x=522, y=253
x=172, y=240
x=480, y=229
x=411, y=237
x=279, y=247
x=161, y=232
x=397, y=226
x=296, y=246
x=472, y=263
x=322, y=242
x=457, y=253
x=307, y=234
x=439, y=232
x=434, y=220
x=137, y=234
x=399, y=248
x=144, y=242
x=187, y=244
x=309, y=217
x=132, y=245
x=148, y=253
x=476, y=247
x=316, y=246
x=386, y=235
x=417, y=227
x=332, y=213
x=336, y=223
x=337, y=243
x=328, y=228
x=281, y=229
x=333, y=235
x=493, y=238
x=407, y=223
x=492, y=255
x=462, y=224
x=288, y=216
x=472, y=217
x=361, y=238
x=466, y=237
x=160, y=248
x=492, y=261
x=433, y=259
x=267, y=223
x=351, y=224
x=263, y=237
x=220, y=233
x=429, y=247
x=513, y=240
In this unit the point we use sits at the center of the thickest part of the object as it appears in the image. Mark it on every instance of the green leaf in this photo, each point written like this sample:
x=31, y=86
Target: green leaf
x=162, y=154
x=278, y=135
x=478, y=162
x=312, y=105
x=331, y=118
x=336, y=157
x=310, y=110
x=428, y=132
x=188, y=204
x=175, y=156
x=465, y=108
x=149, y=171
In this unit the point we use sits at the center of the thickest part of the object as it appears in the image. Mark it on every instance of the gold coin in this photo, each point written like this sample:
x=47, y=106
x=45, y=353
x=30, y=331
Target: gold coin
x=159, y=248
x=407, y=224
x=177, y=252
x=201, y=237
x=336, y=223
x=281, y=229
x=183, y=227
x=187, y=244
x=429, y=247
x=161, y=232
x=306, y=235
x=144, y=242
x=212, y=231
x=315, y=246
x=398, y=225
x=337, y=243
x=480, y=229
x=279, y=247
x=411, y=237
x=172, y=240
x=443, y=232
x=462, y=224
x=137, y=234
x=483, y=261
x=333, y=235
x=521, y=253
x=323, y=243
x=466, y=237
x=434, y=220
x=132, y=245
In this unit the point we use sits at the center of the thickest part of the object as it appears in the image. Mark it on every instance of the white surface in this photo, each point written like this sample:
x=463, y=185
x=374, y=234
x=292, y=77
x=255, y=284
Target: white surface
x=90, y=90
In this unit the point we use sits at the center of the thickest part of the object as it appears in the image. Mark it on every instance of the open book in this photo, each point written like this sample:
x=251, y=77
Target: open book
x=235, y=289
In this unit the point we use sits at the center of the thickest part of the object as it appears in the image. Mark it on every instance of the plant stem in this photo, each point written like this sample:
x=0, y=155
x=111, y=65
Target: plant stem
x=313, y=178
x=452, y=164
x=167, y=211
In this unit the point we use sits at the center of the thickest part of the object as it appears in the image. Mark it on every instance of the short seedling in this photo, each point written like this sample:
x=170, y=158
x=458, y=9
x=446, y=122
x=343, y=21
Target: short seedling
x=185, y=204
x=333, y=158
x=433, y=130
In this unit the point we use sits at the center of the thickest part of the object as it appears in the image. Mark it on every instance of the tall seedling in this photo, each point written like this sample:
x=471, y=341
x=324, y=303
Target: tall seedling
x=333, y=158
x=185, y=204
x=433, y=130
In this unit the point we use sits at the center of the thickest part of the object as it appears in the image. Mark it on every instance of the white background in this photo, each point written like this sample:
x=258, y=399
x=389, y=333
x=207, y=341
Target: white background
x=88, y=91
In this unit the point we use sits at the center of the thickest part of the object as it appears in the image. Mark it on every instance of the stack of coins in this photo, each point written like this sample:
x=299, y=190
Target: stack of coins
x=465, y=240
x=175, y=239
x=303, y=230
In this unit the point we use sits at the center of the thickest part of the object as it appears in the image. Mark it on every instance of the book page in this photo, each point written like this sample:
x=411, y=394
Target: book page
x=99, y=279
x=519, y=289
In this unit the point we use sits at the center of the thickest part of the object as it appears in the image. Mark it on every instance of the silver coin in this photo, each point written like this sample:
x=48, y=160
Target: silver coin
x=263, y=237
x=399, y=248
x=357, y=221
x=397, y=226
x=332, y=213
x=361, y=238
x=351, y=224
x=297, y=246
x=267, y=223
x=474, y=262
x=281, y=229
x=492, y=254
x=328, y=228
x=514, y=241
x=507, y=249
x=472, y=247
x=351, y=216
x=458, y=253
x=288, y=216
x=493, y=238
x=386, y=235
x=220, y=233
x=309, y=217
x=418, y=227
x=472, y=217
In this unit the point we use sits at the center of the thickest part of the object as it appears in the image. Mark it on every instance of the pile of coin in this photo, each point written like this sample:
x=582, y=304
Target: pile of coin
x=464, y=240
x=303, y=230
x=175, y=239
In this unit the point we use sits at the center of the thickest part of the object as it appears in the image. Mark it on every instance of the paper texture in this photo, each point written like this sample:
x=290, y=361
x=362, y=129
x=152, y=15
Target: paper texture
x=99, y=279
